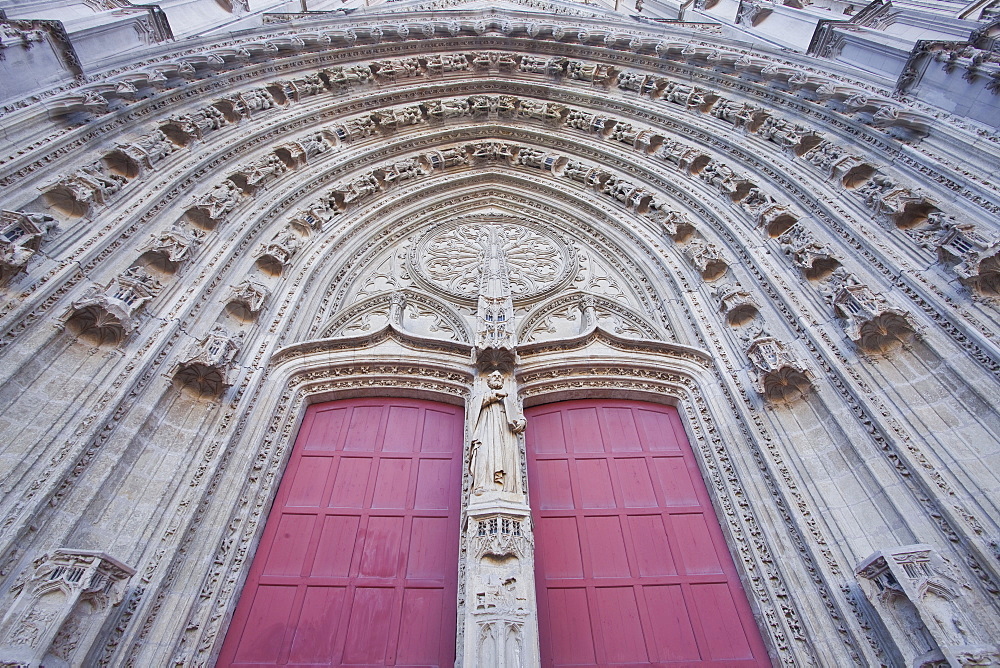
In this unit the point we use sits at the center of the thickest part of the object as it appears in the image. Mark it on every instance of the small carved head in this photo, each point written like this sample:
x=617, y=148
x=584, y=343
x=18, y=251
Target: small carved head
x=495, y=380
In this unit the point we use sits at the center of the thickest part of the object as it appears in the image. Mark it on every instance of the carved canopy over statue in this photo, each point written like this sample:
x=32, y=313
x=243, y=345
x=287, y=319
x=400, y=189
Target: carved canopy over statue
x=494, y=460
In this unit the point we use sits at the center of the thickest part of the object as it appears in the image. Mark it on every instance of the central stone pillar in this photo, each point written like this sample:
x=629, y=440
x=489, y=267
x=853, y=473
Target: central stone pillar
x=500, y=615
x=501, y=619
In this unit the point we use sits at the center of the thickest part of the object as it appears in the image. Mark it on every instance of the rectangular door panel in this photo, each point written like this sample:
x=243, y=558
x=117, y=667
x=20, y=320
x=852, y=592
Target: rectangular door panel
x=358, y=562
x=632, y=567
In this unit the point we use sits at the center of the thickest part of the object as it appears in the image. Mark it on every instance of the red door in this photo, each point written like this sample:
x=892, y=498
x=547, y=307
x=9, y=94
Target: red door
x=631, y=565
x=358, y=564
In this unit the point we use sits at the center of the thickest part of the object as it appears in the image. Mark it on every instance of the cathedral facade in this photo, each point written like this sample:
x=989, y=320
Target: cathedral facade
x=503, y=334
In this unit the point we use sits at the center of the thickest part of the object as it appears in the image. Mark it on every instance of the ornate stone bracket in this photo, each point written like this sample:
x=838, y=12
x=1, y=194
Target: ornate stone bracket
x=274, y=256
x=736, y=303
x=212, y=207
x=869, y=320
x=173, y=247
x=816, y=260
x=21, y=236
x=780, y=377
x=78, y=193
x=922, y=605
x=208, y=367
x=975, y=258
x=706, y=258
x=108, y=316
x=62, y=601
x=248, y=298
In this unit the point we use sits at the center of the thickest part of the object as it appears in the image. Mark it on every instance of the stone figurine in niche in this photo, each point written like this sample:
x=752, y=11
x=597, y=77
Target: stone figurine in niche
x=494, y=457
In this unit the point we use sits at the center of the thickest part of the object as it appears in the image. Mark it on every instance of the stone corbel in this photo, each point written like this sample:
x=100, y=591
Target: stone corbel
x=78, y=193
x=172, y=247
x=21, y=236
x=675, y=224
x=925, y=609
x=214, y=205
x=108, y=316
x=259, y=173
x=816, y=260
x=974, y=257
x=706, y=258
x=274, y=256
x=776, y=219
x=209, y=366
x=247, y=299
x=736, y=303
x=62, y=602
x=780, y=378
x=870, y=321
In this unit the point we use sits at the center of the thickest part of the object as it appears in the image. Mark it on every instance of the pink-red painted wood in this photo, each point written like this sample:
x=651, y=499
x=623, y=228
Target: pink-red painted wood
x=631, y=564
x=358, y=564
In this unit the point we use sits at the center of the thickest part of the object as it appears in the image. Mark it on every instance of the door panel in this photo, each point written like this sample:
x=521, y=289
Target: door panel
x=358, y=564
x=631, y=564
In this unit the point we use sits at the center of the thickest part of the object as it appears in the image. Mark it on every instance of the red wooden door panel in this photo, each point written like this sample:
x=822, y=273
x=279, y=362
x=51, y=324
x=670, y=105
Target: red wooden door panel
x=358, y=564
x=631, y=564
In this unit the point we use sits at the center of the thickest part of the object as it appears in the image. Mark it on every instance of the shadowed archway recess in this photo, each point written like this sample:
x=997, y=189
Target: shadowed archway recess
x=202, y=243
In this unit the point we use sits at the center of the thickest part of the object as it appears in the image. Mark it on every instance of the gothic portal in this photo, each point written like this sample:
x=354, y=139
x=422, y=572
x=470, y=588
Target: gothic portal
x=449, y=332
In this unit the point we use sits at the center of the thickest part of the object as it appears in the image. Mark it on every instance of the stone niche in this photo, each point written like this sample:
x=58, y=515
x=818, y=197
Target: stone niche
x=925, y=609
x=62, y=601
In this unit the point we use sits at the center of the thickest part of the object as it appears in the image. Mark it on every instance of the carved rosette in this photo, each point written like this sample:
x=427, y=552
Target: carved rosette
x=448, y=259
x=62, y=601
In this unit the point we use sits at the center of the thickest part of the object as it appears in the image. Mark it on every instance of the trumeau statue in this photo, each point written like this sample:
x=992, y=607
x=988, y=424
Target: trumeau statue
x=493, y=457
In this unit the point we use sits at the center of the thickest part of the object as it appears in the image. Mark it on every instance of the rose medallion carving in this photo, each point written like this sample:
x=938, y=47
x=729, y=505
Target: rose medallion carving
x=452, y=258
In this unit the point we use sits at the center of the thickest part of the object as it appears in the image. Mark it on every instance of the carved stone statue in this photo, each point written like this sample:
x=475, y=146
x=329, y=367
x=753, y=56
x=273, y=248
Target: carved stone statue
x=494, y=457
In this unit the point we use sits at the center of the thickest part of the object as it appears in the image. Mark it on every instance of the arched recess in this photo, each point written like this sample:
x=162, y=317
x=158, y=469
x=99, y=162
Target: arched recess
x=934, y=491
x=595, y=365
